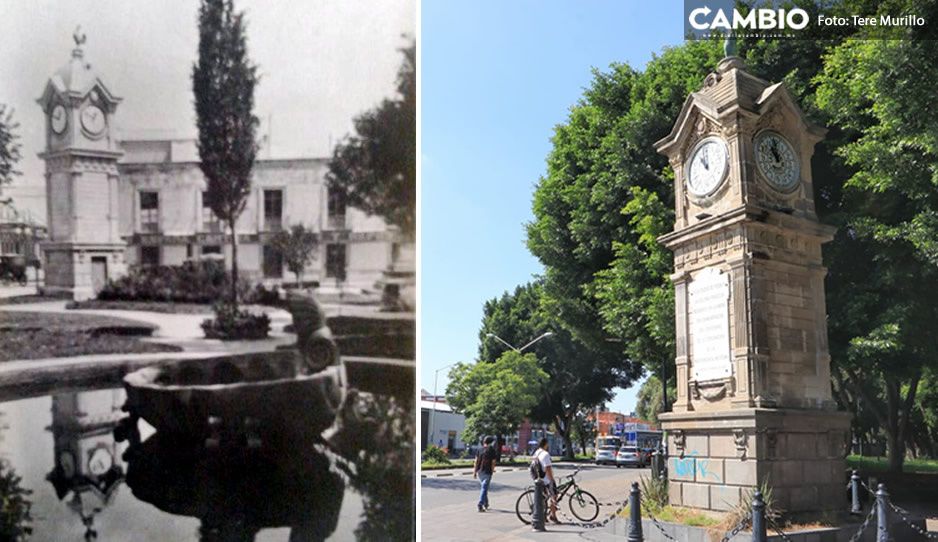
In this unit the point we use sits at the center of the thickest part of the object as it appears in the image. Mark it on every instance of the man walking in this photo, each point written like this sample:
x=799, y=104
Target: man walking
x=484, y=469
x=542, y=456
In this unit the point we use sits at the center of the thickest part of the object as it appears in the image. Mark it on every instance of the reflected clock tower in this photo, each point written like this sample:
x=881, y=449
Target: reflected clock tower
x=84, y=249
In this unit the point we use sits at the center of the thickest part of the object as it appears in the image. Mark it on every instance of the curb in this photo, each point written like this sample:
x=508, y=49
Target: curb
x=466, y=473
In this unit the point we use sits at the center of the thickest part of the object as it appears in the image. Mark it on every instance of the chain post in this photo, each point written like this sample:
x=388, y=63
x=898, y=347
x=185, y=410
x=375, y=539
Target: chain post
x=855, y=493
x=537, y=519
x=758, y=518
x=635, y=515
x=882, y=518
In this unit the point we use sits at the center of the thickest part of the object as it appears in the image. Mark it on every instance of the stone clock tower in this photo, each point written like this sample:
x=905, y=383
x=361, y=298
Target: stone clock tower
x=84, y=248
x=753, y=371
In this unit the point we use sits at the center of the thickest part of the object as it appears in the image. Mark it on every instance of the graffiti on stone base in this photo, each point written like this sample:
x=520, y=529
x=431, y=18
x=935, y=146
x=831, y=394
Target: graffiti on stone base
x=690, y=464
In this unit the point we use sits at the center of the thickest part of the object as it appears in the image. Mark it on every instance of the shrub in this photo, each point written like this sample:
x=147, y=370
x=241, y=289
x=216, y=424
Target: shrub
x=261, y=295
x=231, y=324
x=655, y=492
x=435, y=454
x=15, y=520
x=202, y=281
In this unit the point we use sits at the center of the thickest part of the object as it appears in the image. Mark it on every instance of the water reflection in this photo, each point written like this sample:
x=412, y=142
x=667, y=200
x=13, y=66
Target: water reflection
x=237, y=491
x=88, y=467
x=64, y=448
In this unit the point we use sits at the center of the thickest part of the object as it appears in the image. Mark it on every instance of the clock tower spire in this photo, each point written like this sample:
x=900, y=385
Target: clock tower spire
x=84, y=249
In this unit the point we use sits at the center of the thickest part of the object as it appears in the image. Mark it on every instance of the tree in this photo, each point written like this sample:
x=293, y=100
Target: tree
x=583, y=428
x=581, y=375
x=297, y=246
x=376, y=168
x=223, y=81
x=649, y=403
x=495, y=397
x=9, y=146
x=884, y=261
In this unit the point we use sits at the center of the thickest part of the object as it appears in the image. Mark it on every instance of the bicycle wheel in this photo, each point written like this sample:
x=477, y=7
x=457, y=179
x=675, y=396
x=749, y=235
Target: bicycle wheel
x=583, y=505
x=524, y=507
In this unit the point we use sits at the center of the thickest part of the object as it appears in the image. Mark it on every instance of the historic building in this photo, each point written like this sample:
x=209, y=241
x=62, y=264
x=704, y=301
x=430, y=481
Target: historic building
x=117, y=204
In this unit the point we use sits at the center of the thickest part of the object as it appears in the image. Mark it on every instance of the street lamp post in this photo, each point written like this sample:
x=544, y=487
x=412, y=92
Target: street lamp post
x=433, y=408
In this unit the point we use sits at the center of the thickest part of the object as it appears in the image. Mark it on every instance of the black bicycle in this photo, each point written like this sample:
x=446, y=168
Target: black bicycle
x=583, y=505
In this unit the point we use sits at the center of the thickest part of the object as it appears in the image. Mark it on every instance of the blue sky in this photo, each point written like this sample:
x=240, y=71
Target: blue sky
x=496, y=78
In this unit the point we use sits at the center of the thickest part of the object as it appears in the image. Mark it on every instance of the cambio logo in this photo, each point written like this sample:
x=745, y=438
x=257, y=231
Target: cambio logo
x=756, y=19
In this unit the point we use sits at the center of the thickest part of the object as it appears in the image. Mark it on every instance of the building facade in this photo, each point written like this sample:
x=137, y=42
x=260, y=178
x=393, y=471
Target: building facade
x=165, y=219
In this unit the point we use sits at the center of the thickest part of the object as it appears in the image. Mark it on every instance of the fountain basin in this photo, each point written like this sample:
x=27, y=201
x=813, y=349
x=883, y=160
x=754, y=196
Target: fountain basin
x=266, y=393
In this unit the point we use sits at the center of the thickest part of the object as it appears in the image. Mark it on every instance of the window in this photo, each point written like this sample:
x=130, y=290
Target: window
x=210, y=222
x=336, y=209
x=273, y=262
x=149, y=256
x=150, y=212
x=211, y=249
x=273, y=210
x=335, y=261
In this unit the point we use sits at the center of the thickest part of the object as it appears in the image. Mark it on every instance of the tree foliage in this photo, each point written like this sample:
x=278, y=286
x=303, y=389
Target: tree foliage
x=297, y=246
x=495, y=397
x=223, y=81
x=649, y=403
x=581, y=376
x=9, y=145
x=376, y=167
x=884, y=262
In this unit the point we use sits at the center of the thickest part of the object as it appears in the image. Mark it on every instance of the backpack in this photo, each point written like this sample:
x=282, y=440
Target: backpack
x=535, y=469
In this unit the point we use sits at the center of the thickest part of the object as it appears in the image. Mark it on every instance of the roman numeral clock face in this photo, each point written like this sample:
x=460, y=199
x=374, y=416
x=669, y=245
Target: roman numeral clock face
x=707, y=167
x=777, y=162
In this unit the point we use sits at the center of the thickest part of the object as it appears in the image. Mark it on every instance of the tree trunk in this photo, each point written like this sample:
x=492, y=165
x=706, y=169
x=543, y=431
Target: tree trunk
x=563, y=428
x=234, y=262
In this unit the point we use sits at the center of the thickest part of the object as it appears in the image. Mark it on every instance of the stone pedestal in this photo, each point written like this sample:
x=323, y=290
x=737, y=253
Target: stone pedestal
x=717, y=458
x=81, y=269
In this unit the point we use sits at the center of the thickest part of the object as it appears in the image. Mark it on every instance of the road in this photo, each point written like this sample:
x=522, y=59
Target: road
x=448, y=503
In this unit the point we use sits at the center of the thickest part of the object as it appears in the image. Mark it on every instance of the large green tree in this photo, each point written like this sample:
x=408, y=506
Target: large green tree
x=580, y=375
x=377, y=166
x=223, y=81
x=884, y=262
x=495, y=397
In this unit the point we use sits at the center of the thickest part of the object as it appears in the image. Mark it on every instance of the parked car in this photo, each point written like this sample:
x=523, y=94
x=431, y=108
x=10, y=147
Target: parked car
x=646, y=456
x=629, y=456
x=606, y=455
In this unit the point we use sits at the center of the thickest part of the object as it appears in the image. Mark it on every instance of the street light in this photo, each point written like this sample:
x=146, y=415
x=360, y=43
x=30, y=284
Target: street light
x=523, y=348
x=433, y=408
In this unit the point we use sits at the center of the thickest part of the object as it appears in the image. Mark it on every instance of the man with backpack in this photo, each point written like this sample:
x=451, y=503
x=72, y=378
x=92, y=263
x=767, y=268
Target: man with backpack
x=541, y=468
x=484, y=469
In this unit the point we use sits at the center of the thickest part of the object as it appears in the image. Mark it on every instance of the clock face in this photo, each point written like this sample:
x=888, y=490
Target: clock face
x=100, y=461
x=777, y=161
x=59, y=119
x=92, y=120
x=707, y=166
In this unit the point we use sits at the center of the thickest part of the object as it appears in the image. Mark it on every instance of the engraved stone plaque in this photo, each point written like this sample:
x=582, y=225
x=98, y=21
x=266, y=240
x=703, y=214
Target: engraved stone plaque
x=709, y=321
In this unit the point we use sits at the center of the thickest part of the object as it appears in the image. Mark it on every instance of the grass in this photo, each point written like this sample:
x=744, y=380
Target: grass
x=31, y=298
x=881, y=464
x=164, y=307
x=36, y=335
x=679, y=515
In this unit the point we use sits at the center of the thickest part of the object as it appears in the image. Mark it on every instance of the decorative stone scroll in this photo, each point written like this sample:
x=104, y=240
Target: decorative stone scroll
x=709, y=323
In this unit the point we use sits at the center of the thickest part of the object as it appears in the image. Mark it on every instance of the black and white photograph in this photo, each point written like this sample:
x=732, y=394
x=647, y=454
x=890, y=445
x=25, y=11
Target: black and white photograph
x=208, y=273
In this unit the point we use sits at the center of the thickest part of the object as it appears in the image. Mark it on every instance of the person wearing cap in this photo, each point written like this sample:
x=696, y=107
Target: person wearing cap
x=484, y=469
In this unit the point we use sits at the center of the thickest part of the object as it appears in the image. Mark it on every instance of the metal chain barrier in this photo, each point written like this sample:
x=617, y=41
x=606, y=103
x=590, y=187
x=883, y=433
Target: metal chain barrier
x=739, y=527
x=864, y=525
x=660, y=528
x=903, y=514
x=777, y=530
x=592, y=524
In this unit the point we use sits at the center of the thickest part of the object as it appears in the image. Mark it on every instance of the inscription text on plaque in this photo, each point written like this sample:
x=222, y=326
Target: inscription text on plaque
x=709, y=320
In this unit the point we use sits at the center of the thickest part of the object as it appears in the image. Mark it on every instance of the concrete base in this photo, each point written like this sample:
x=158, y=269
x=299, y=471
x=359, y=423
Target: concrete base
x=717, y=458
x=898, y=530
x=80, y=270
